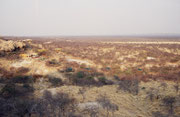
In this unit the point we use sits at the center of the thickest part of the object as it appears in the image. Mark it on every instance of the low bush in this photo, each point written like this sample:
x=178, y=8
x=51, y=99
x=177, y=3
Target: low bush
x=22, y=70
x=159, y=114
x=107, y=105
x=153, y=94
x=23, y=79
x=6, y=74
x=104, y=81
x=15, y=107
x=52, y=63
x=80, y=74
x=175, y=59
x=169, y=103
x=84, y=81
x=60, y=104
x=55, y=81
x=28, y=87
x=37, y=76
x=83, y=78
x=2, y=54
x=8, y=91
x=69, y=69
x=131, y=86
x=176, y=87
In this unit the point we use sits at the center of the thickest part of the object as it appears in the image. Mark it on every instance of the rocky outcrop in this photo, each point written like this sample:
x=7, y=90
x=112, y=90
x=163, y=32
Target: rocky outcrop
x=8, y=46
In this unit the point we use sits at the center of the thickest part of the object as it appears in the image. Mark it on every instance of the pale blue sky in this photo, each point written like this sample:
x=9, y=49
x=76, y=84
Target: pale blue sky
x=89, y=17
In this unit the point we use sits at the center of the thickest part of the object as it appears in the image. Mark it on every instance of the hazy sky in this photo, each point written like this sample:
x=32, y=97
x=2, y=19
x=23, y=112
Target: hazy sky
x=89, y=17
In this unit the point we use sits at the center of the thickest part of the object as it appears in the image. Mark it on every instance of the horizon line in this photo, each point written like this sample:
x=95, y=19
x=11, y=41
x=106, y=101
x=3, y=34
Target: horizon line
x=130, y=35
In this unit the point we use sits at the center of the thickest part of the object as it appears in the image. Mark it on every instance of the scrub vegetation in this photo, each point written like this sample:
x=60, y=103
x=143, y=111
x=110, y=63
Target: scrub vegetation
x=89, y=77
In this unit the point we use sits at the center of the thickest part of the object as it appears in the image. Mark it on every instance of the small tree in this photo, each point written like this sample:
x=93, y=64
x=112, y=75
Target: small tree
x=169, y=103
x=82, y=91
x=59, y=104
x=106, y=104
x=176, y=86
x=131, y=86
x=153, y=93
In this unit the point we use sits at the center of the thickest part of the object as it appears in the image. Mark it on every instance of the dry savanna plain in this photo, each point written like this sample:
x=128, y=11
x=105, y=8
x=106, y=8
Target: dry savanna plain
x=89, y=77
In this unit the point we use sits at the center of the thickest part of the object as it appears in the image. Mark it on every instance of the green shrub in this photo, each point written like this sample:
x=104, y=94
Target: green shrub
x=55, y=81
x=52, y=62
x=80, y=74
x=103, y=81
x=69, y=69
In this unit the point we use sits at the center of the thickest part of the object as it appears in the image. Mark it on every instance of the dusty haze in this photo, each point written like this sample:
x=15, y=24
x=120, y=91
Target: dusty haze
x=89, y=17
